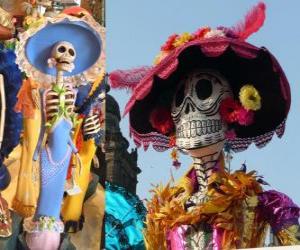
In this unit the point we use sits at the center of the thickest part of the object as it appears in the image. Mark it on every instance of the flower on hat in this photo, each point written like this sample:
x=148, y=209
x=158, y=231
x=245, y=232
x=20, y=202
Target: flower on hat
x=200, y=33
x=250, y=97
x=161, y=120
x=232, y=112
x=214, y=33
x=169, y=43
x=245, y=117
x=182, y=39
x=228, y=110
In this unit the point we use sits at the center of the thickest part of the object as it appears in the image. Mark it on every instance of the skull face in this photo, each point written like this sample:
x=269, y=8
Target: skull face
x=64, y=53
x=195, y=109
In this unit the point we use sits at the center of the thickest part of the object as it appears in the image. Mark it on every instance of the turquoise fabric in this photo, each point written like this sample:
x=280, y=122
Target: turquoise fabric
x=124, y=219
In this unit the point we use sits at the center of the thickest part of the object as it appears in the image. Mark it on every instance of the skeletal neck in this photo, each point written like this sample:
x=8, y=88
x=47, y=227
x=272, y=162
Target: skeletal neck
x=203, y=167
x=59, y=77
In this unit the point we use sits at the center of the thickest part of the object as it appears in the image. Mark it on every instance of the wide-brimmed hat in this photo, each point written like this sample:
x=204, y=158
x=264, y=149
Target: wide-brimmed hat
x=251, y=72
x=84, y=33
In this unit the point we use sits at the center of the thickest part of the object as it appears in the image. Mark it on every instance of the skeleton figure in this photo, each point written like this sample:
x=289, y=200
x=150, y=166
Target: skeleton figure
x=199, y=128
x=58, y=105
x=91, y=124
x=200, y=132
x=63, y=56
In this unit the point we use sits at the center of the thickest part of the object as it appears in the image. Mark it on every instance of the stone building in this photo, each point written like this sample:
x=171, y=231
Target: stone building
x=117, y=165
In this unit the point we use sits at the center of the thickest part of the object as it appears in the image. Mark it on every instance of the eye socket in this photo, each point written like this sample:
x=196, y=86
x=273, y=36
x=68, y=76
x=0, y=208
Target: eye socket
x=62, y=49
x=179, y=96
x=203, y=89
x=71, y=52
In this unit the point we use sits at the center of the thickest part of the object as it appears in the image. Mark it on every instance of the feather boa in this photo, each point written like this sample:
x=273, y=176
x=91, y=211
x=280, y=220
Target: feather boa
x=127, y=79
x=12, y=84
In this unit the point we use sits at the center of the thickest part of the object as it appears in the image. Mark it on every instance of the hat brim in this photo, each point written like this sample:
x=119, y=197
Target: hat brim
x=241, y=63
x=85, y=34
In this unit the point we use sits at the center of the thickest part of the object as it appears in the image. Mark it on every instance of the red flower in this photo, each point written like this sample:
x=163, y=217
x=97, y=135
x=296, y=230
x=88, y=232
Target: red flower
x=172, y=141
x=229, y=110
x=200, y=33
x=161, y=120
x=245, y=117
x=169, y=43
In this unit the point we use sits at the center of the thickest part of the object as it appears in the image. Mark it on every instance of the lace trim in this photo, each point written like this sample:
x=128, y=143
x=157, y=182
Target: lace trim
x=120, y=231
x=44, y=224
x=90, y=75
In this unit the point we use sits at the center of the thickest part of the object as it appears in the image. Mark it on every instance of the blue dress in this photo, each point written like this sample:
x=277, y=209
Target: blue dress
x=54, y=163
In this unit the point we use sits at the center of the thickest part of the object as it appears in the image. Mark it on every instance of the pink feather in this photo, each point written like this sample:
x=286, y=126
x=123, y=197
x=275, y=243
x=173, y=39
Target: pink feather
x=127, y=79
x=254, y=20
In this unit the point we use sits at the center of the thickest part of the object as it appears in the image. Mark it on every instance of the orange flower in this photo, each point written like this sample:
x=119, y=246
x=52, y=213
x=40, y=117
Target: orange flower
x=169, y=43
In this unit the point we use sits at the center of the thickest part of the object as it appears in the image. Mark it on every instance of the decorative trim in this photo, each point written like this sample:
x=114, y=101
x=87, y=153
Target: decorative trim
x=44, y=224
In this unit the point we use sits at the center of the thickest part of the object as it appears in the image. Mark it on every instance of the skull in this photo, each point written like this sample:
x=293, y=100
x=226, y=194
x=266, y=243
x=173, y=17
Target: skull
x=195, y=110
x=64, y=54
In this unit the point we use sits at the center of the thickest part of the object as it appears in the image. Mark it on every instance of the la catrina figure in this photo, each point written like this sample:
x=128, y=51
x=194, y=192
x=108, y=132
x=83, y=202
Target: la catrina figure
x=210, y=90
x=59, y=53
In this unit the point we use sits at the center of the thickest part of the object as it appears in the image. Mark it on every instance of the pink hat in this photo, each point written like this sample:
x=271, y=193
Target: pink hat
x=222, y=49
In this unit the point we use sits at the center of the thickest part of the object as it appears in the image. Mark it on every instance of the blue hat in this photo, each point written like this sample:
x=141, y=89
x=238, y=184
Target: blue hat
x=85, y=34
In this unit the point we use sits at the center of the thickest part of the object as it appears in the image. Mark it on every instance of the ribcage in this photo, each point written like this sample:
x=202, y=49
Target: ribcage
x=91, y=124
x=54, y=102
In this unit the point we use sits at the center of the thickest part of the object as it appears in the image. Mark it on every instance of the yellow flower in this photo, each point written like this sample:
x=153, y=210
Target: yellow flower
x=250, y=97
x=182, y=39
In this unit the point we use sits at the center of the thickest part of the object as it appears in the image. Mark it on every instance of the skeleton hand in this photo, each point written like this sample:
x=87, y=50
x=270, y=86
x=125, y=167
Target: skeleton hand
x=196, y=199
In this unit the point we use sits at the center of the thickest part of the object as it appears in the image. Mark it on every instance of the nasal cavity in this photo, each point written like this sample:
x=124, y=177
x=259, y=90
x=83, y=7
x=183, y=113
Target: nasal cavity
x=187, y=109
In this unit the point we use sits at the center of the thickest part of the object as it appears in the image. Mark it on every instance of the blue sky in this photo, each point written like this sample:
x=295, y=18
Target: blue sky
x=137, y=28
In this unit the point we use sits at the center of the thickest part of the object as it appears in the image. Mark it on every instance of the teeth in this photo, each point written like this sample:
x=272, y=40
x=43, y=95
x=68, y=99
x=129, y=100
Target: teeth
x=198, y=128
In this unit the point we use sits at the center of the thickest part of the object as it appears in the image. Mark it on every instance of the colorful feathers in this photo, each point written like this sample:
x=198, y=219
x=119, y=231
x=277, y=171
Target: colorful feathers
x=254, y=20
x=127, y=79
